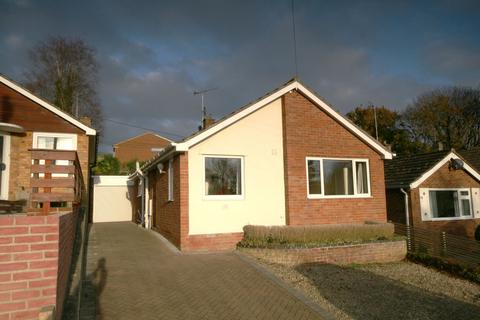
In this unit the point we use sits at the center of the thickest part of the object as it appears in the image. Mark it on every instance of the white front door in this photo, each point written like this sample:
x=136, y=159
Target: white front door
x=4, y=164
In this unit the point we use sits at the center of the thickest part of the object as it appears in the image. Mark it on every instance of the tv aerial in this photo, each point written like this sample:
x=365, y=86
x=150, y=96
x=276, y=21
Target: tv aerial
x=202, y=94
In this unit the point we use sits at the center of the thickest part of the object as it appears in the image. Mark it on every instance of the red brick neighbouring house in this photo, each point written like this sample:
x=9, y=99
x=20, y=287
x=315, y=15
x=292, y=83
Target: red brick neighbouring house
x=139, y=147
x=437, y=191
x=286, y=159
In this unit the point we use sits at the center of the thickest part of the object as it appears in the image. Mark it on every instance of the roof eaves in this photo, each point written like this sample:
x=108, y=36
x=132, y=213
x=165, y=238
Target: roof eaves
x=26, y=93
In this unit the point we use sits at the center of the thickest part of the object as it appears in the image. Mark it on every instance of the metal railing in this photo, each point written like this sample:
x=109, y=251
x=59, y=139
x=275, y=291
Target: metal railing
x=441, y=245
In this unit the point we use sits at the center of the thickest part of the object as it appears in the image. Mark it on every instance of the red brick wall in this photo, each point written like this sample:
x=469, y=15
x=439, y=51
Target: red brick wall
x=211, y=242
x=171, y=218
x=444, y=178
x=35, y=255
x=308, y=131
x=21, y=161
x=377, y=252
x=139, y=148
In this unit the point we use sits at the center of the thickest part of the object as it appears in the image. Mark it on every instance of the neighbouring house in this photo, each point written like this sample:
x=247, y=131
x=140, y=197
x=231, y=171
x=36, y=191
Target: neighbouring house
x=286, y=159
x=139, y=148
x=438, y=191
x=45, y=159
x=33, y=135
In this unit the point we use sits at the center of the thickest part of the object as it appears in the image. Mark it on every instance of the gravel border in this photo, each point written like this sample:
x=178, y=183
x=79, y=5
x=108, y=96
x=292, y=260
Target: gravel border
x=402, y=290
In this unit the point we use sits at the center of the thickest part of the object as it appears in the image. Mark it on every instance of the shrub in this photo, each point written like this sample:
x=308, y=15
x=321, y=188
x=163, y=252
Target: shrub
x=452, y=267
x=319, y=234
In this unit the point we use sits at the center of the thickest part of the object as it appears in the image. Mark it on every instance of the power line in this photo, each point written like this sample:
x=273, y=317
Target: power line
x=144, y=128
x=294, y=39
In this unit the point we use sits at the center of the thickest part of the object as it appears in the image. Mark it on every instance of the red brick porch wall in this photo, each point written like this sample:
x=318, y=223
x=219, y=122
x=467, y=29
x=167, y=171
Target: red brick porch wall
x=35, y=257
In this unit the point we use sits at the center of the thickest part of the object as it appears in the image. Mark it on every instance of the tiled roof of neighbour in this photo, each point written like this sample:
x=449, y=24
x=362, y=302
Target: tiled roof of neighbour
x=400, y=172
x=472, y=156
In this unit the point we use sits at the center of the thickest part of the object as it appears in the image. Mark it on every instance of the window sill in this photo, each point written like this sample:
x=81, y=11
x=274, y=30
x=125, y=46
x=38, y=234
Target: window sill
x=362, y=196
x=449, y=219
x=224, y=198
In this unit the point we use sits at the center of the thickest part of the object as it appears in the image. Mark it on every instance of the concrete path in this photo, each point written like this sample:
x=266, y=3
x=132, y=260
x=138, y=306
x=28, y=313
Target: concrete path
x=133, y=274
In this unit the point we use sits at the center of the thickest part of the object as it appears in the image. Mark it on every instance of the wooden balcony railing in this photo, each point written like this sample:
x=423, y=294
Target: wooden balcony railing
x=56, y=180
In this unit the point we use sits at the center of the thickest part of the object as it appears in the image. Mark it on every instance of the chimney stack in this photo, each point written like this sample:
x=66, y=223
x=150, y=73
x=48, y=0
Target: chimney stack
x=86, y=121
x=207, y=122
x=440, y=146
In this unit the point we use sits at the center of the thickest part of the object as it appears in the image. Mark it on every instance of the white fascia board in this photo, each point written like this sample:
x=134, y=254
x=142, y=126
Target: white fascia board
x=184, y=146
x=359, y=133
x=89, y=131
x=451, y=155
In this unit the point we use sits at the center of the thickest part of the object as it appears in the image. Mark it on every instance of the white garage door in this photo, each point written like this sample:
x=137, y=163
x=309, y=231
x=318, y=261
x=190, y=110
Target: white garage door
x=111, y=199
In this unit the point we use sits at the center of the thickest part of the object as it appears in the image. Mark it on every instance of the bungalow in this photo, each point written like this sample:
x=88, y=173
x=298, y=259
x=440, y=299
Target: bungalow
x=438, y=191
x=29, y=124
x=287, y=158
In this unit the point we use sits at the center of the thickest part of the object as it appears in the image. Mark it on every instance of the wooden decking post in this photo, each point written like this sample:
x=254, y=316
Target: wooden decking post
x=47, y=175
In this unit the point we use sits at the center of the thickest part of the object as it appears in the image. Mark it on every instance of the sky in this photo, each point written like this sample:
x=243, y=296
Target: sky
x=154, y=54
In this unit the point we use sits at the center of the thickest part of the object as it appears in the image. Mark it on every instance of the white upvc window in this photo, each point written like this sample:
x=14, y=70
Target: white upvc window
x=337, y=178
x=54, y=141
x=223, y=177
x=446, y=203
x=170, y=180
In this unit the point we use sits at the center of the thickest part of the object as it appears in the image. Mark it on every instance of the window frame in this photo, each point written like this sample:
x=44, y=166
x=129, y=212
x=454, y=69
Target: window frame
x=322, y=179
x=240, y=196
x=54, y=135
x=460, y=197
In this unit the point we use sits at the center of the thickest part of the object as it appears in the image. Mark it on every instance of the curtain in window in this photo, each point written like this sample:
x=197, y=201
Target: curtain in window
x=362, y=182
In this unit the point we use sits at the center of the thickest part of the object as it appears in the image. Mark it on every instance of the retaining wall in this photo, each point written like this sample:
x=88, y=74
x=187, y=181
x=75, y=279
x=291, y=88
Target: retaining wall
x=374, y=252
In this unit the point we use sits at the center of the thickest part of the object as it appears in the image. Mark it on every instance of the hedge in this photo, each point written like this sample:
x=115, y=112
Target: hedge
x=456, y=269
x=267, y=236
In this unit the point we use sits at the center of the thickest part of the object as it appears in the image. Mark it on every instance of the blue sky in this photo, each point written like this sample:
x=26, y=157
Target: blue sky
x=154, y=54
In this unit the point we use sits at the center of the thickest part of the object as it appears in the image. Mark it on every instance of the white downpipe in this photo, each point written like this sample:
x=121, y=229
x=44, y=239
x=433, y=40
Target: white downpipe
x=407, y=212
x=146, y=206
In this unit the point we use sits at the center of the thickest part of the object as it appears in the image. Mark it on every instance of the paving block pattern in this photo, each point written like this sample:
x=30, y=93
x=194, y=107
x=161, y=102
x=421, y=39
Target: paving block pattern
x=132, y=274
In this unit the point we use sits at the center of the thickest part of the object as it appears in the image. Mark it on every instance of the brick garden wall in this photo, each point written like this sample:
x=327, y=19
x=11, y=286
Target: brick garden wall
x=35, y=256
x=212, y=242
x=308, y=131
x=445, y=178
x=375, y=252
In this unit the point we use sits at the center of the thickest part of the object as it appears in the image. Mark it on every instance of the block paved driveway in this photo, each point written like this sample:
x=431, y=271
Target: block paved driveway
x=133, y=274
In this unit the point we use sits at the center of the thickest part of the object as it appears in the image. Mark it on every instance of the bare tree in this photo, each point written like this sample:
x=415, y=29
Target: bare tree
x=65, y=72
x=450, y=116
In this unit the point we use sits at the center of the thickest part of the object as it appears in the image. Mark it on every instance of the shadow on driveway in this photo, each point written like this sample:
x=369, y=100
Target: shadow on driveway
x=365, y=295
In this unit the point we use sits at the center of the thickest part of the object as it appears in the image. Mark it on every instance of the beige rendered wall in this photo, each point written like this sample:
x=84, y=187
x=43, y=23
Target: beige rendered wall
x=110, y=199
x=258, y=139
